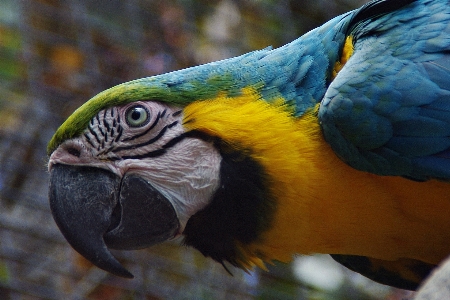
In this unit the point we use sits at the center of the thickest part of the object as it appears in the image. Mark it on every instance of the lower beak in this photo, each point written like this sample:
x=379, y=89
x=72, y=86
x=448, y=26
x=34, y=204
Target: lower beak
x=96, y=209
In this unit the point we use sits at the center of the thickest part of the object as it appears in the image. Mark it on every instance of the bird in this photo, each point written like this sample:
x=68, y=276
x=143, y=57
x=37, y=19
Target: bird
x=335, y=143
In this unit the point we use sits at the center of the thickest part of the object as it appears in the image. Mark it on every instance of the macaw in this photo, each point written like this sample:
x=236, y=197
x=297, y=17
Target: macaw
x=335, y=143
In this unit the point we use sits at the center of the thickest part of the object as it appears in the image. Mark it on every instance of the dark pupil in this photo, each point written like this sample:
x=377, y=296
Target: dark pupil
x=135, y=115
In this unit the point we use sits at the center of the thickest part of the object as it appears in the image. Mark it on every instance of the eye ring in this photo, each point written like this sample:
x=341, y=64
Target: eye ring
x=137, y=116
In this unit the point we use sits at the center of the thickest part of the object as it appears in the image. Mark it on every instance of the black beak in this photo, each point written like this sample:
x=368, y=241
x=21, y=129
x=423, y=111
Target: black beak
x=96, y=209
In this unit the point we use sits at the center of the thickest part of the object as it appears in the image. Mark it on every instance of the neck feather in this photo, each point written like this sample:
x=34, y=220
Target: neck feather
x=322, y=204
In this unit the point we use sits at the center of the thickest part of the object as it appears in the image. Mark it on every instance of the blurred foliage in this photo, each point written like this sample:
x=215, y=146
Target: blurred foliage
x=54, y=55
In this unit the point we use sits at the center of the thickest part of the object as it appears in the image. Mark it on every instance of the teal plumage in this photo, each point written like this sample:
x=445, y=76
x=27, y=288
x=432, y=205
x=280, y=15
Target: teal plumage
x=387, y=112
x=300, y=72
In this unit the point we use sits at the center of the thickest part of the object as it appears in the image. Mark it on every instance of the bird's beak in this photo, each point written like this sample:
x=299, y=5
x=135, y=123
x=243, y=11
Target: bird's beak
x=96, y=209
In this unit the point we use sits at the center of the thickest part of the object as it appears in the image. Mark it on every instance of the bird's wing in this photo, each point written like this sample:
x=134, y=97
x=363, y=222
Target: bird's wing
x=387, y=111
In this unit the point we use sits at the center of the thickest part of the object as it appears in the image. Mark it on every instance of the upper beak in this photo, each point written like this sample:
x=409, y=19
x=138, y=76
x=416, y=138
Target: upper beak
x=96, y=209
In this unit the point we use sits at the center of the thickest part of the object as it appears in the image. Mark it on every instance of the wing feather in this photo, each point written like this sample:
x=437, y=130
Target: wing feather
x=388, y=109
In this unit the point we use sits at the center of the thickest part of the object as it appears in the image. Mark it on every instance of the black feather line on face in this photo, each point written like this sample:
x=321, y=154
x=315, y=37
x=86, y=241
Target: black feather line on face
x=106, y=124
x=92, y=131
x=119, y=134
x=149, y=142
x=89, y=140
x=169, y=144
x=177, y=113
x=241, y=209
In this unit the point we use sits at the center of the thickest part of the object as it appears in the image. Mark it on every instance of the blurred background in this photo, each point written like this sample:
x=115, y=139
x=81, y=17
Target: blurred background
x=55, y=55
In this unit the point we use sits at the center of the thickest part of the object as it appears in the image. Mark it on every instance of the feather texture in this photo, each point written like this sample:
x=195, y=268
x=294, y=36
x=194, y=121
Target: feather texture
x=388, y=110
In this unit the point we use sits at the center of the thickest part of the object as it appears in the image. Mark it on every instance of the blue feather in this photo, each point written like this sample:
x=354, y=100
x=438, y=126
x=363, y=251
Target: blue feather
x=388, y=109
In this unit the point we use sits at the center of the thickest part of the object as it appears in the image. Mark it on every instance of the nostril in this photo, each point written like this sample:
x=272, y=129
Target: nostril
x=74, y=152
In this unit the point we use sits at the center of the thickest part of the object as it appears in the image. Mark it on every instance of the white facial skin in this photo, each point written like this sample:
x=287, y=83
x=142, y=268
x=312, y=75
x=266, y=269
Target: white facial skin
x=130, y=139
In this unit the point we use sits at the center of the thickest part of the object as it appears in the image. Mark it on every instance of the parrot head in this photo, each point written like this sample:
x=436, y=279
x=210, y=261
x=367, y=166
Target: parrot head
x=147, y=161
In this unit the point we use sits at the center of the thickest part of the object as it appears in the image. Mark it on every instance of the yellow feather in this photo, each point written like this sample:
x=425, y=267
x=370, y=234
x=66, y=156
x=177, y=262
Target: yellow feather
x=347, y=51
x=323, y=205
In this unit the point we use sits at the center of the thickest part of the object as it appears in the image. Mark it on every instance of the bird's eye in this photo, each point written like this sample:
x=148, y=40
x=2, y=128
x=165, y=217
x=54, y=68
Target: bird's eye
x=137, y=116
